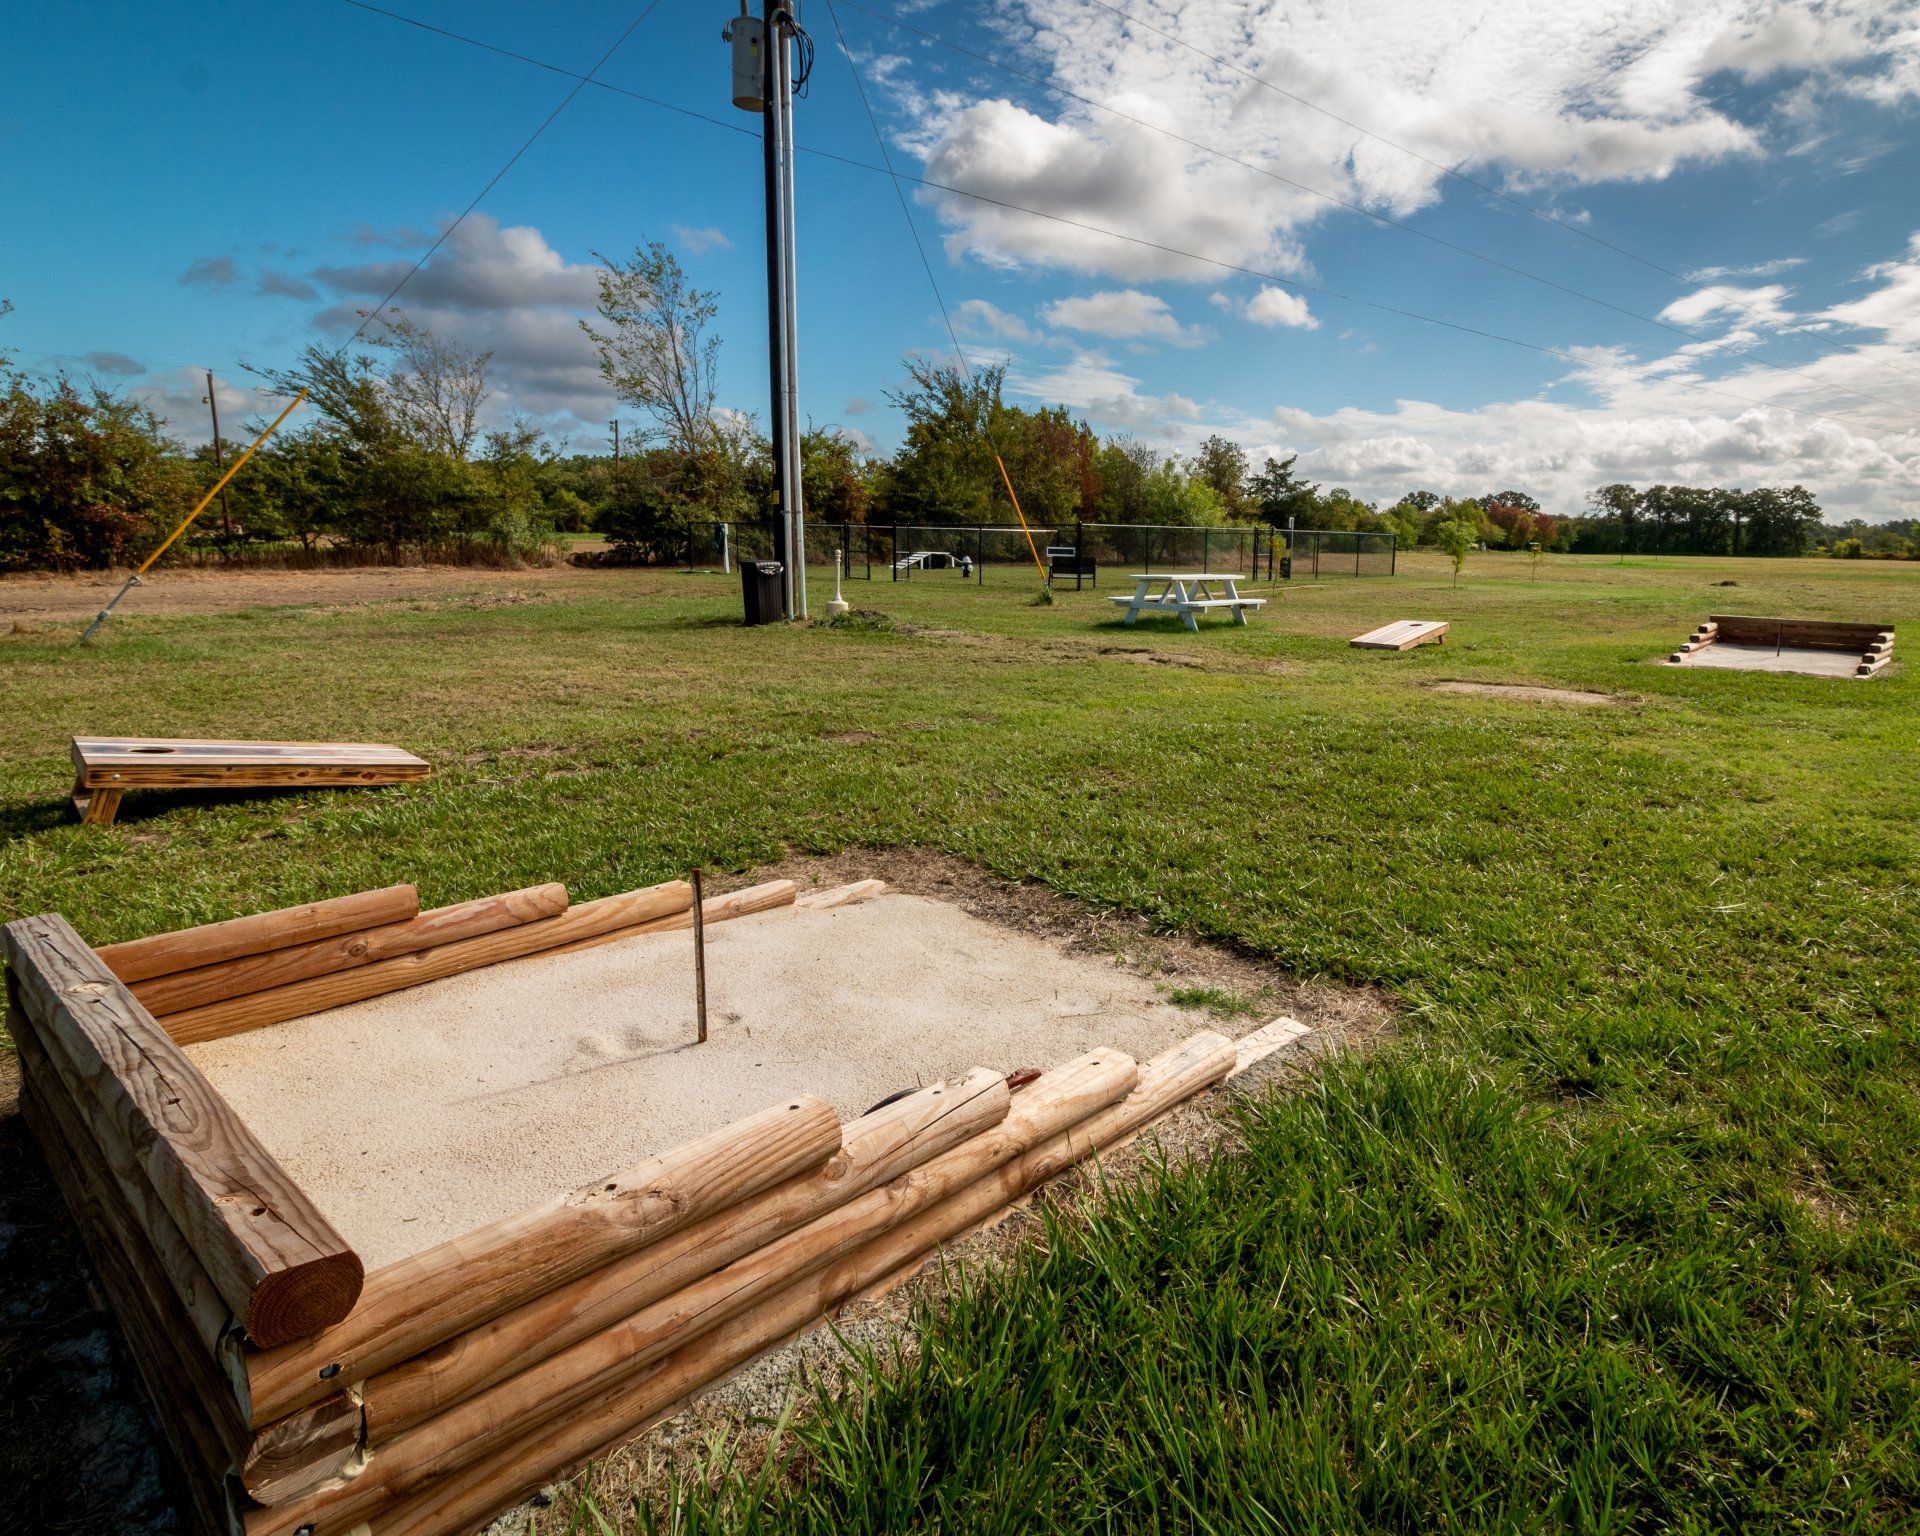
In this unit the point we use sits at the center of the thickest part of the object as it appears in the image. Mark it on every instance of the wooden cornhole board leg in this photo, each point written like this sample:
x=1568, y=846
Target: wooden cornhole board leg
x=95, y=807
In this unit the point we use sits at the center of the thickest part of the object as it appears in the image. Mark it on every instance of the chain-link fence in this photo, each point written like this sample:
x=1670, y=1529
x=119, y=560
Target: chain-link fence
x=1079, y=551
x=1319, y=553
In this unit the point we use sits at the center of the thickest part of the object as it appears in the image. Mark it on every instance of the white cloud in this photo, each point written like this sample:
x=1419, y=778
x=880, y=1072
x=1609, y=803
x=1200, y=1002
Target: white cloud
x=1124, y=314
x=179, y=397
x=1893, y=308
x=481, y=266
x=1110, y=399
x=981, y=318
x=1532, y=96
x=1661, y=417
x=699, y=241
x=1756, y=269
x=498, y=289
x=1762, y=305
x=1276, y=306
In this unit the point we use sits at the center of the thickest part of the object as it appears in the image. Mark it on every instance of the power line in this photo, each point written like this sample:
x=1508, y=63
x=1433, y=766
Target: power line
x=933, y=282
x=581, y=82
x=1228, y=266
x=1729, y=295
x=1342, y=202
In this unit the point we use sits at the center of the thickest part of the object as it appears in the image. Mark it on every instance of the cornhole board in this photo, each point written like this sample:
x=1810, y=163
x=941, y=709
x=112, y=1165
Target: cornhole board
x=1402, y=635
x=106, y=767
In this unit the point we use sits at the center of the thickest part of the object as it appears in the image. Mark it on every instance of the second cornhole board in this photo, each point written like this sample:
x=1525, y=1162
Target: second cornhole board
x=105, y=767
x=1402, y=635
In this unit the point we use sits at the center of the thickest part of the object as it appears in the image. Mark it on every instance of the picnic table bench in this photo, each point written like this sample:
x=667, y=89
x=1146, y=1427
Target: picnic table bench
x=1187, y=594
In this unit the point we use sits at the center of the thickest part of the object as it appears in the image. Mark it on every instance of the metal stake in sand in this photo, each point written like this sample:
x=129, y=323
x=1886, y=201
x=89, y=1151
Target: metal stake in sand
x=699, y=954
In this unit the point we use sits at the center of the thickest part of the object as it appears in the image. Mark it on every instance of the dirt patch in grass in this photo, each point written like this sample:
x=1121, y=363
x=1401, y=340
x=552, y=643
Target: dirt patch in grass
x=43, y=600
x=1526, y=691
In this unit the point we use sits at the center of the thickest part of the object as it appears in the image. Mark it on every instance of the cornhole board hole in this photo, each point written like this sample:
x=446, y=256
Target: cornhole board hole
x=1816, y=647
x=343, y=1168
x=1402, y=635
x=106, y=767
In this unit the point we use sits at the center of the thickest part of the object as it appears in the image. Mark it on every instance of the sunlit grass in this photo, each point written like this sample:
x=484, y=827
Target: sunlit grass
x=1620, y=1235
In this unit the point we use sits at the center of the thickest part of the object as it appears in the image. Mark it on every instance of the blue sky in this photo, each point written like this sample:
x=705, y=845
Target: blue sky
x=190, y=187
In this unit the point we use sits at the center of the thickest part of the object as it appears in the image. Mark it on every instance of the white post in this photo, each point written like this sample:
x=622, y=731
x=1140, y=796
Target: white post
x=726, y=554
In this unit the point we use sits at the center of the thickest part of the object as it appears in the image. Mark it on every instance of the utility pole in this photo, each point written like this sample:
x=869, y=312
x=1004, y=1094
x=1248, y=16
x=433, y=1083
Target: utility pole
x=615, y=424
x=219, y=464
x=763, y=82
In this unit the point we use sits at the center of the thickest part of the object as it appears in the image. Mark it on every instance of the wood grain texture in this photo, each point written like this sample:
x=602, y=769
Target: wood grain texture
x=205, y=984
x=551, y=1447
x=127, y=762
x=428, y=1298
x=278, y=1263
x=199, y=1302
x=599, y=1364
x=288, y=1460
x=875, y=1148
x=1839, y=634
x=203, y=1458
x=843, y=895
x=214, y=943
x=213, y=1021
x=715, y=909
x=96, y=807
x=1402, y=635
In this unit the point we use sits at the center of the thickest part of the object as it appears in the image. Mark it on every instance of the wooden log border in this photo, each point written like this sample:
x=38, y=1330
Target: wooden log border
x=440, y=1388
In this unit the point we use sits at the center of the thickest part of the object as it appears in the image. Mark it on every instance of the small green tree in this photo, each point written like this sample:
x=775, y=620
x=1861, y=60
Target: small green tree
x=1455, y=539
x=1534, y=552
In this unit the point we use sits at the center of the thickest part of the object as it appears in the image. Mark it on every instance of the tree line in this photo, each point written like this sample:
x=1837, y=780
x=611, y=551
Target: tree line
x=392, y=463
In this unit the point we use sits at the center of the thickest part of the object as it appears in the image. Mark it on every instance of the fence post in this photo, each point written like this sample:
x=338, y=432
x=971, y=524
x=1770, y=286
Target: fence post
x=980, y=554
x=895, y=561
x=1206, y=551
x=1079, y=552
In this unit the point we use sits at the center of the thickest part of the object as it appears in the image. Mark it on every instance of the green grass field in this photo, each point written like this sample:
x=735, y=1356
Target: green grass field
x=1620, y=1233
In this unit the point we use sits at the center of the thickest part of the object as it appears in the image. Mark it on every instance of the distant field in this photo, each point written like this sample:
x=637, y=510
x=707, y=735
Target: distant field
x=1619, y=1235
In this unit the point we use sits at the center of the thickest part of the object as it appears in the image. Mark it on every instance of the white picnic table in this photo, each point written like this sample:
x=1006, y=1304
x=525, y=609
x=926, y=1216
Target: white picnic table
x=1187, y=593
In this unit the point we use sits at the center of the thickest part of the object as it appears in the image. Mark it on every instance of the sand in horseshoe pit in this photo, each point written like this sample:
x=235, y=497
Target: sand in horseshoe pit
x=417, y=1116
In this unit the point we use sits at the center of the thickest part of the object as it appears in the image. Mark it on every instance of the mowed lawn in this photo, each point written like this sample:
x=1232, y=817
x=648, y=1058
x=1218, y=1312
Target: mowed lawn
x=1621, y=1232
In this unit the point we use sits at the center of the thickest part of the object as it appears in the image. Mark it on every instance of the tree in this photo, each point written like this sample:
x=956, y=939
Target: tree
x=1617, y=506
x=437, y=388
x=655, y=350
x=1223, y=466
x=1421, y=501
x=1456, y=539
x=1778, y=521
x=1518, y=499
x=838, y=480
x=1404, y=517
x=1123, y=465
x=1280, y=494
x=87, y=478
x=1177, y=497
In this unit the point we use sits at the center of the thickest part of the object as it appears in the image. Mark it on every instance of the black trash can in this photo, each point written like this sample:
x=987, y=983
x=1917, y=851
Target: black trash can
x=760, y=587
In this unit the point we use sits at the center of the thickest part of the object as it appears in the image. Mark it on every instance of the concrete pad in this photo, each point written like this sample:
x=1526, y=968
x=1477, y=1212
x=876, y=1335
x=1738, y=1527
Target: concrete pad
x=1766, y=658
x=415, y=1117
